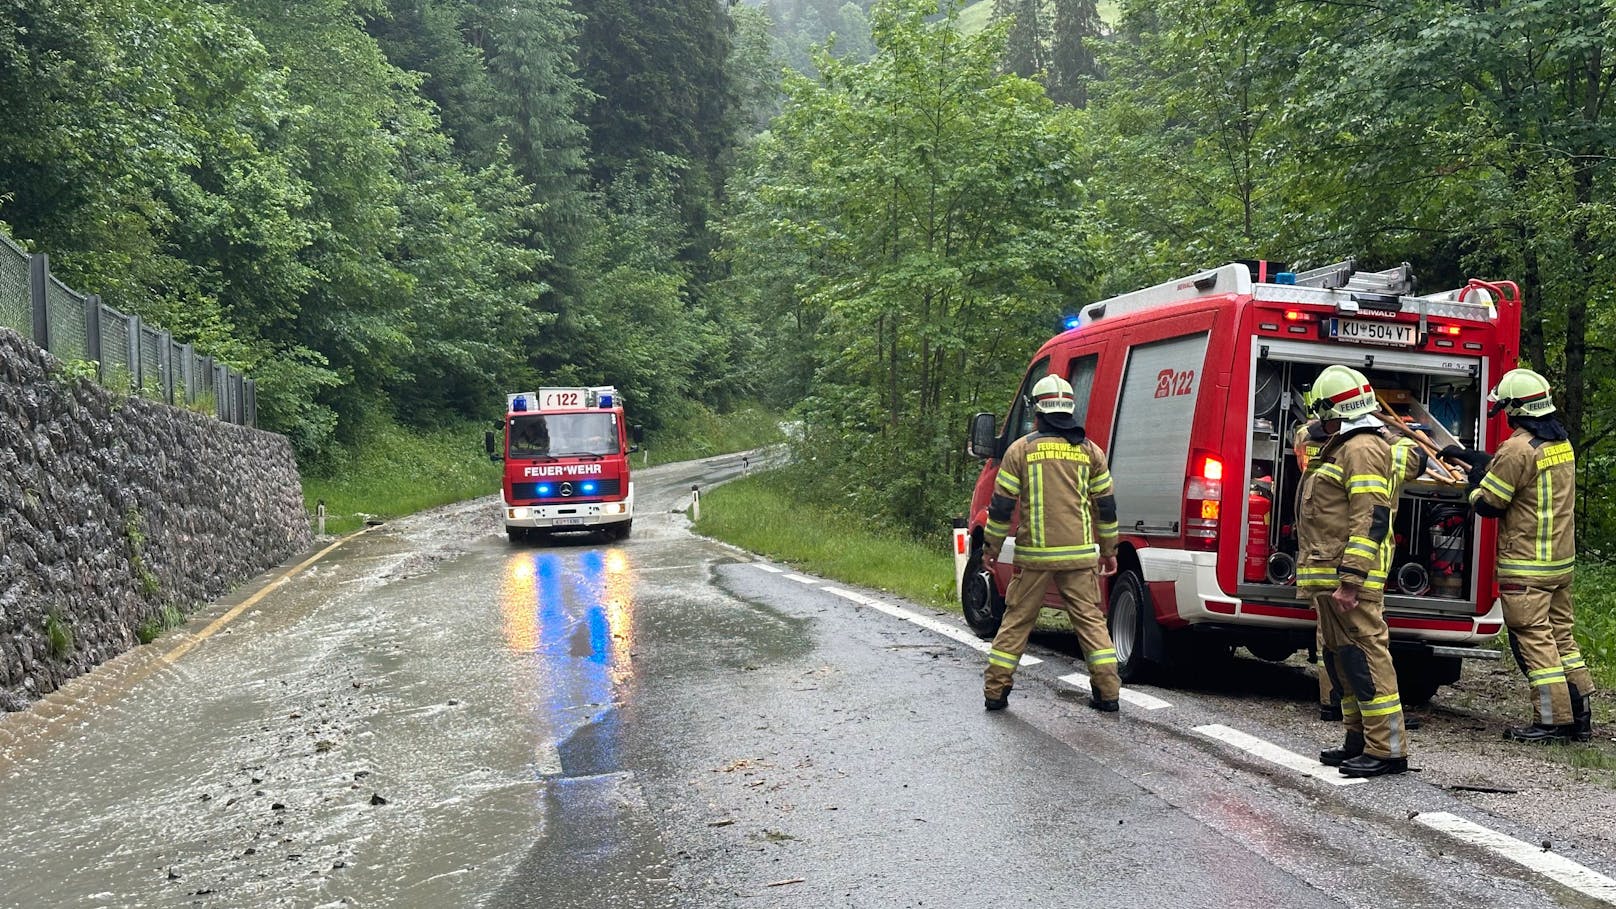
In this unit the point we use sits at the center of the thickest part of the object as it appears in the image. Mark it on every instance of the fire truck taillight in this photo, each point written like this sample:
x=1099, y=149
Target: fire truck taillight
x=1203, y=503
x=1296, y=315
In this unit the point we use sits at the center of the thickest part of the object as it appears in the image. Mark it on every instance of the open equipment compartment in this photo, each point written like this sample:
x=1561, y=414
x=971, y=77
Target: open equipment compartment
x=1434, y=561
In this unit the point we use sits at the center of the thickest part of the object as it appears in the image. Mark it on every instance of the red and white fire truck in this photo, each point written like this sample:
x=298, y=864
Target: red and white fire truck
x=566, y=462
x=1193, y=388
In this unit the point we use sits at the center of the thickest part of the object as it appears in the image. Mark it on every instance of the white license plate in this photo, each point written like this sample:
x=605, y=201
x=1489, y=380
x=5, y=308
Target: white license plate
x=568, y=522
x=1369, y=331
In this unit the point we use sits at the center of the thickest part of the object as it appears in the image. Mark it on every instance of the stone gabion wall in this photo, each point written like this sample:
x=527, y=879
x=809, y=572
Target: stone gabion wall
x=113, y=508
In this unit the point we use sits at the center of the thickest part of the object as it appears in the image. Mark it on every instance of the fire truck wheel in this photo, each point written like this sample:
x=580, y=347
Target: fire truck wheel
x=621, y=531
x=1419, y=676
x=517, y=534
x=980, y=599
x=1125, y=620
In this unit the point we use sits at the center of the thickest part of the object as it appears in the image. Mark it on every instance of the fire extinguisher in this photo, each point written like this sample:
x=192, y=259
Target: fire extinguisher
x=1259, y=505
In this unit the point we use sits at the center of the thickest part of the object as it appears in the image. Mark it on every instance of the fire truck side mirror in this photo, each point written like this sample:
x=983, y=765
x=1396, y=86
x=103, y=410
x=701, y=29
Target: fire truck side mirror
x=488, y=443
x=636, y=434
x=983, y=441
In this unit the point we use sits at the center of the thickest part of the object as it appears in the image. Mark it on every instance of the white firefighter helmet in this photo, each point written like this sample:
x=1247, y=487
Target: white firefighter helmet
x=1522, y=392
x=1342, y=393
x=1053, y=394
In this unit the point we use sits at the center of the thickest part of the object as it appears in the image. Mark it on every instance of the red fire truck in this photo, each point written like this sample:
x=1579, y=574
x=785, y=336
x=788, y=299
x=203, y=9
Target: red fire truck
x=1194, y=387
x=566, y=462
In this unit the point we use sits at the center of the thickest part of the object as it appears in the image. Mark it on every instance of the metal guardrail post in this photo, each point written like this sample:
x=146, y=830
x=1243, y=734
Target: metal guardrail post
x=252, y=402
x=92, y=336
x=38, y=278
x=165, y=364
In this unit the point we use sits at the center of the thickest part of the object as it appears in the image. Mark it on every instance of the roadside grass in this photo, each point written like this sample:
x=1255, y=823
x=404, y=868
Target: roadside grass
x=762, y=514
x=1595, y=601
x=701, y=433
x=397, y=471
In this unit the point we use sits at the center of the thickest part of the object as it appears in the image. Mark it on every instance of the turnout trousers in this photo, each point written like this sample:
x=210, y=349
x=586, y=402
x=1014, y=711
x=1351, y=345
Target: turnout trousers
x=1535, y=640
x=1080, y=594
x=1359, y=662
x=1563, y=620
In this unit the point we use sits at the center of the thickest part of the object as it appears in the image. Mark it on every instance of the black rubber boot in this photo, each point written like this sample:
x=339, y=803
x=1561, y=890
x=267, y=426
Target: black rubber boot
x=1104, y=706
x=1541, y=734
x=1366, y=765
x=1582, y=716
x=1351, y=748
x=1000, y=702
x=1330, y=713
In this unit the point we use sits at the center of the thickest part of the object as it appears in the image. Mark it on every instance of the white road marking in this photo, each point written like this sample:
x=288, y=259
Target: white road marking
x=1274, y=754
x=800, y=579
x=1582, y=879
x=547, y=759
x=769, y=568
x=925, y=621
x=1136, y=698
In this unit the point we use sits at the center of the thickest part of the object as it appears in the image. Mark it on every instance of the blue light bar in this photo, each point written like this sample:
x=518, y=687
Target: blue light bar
x=605, y=402
x=544, y=489
x=1071, y=322
x=589, y=488
x=519, y=405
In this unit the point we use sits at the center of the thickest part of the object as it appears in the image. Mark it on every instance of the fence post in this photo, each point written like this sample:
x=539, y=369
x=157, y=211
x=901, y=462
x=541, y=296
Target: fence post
x=92, y=336
x=250, y=387
x=38, y=278
x=165, y=365
x=137, y=364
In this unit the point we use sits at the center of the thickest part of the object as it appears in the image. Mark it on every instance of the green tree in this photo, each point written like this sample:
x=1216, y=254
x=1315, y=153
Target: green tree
x=926, y=213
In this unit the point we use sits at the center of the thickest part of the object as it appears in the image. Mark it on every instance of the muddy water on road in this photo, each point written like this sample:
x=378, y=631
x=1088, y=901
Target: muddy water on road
x=393, y=727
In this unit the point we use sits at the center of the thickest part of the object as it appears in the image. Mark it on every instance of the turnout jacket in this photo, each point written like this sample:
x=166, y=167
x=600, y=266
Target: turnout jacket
x=1344, y=531
x=1068, y=514
x=1533, y=484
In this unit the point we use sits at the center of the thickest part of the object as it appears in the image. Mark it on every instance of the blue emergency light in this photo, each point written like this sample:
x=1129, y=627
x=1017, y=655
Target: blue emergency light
x=1071, y=322
x=544, y=489
x=519, y=404
x=589, y=489
x=606, y=401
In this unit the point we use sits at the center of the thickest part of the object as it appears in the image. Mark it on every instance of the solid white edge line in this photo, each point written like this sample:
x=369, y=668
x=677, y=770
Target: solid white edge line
x=1136, y=698
x=1274, y=754
x=953, y=632
x=769, y=568
x=800, y=579
x=1557, y=867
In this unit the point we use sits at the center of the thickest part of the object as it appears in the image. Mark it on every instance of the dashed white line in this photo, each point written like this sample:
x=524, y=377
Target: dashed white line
x=769, y=568
x=925, y=621
x=1274, y=754
x=1136, y=698
x=1580, y=878
x=800, y=579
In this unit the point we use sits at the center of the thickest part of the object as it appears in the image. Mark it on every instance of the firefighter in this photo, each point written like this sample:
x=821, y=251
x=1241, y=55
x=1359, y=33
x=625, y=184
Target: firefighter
x=1067, y=536
x=1344, y=537
x=1408, y=462
x=1530, y=486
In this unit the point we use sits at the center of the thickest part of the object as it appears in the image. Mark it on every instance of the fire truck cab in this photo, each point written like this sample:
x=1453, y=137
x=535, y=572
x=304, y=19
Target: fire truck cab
x=1193, y=388
x=566, y=462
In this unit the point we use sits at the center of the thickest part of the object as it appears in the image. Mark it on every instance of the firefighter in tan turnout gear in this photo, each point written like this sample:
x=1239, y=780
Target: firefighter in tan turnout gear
x=1408, y=462
x=1344, y=552
x=1530, y=486
x=1067, y=537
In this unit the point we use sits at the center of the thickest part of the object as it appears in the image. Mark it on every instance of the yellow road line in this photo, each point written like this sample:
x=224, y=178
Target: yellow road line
x=218, y=623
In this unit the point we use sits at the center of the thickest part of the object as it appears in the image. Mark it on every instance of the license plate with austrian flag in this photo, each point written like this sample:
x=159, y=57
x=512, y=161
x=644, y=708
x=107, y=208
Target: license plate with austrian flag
x=1369, y=331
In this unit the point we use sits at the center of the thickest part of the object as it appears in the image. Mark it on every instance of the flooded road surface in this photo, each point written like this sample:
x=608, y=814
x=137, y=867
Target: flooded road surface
x=430, y=716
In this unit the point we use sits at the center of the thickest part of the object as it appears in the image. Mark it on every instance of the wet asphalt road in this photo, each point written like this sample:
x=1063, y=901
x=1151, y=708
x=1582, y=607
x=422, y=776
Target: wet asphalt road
x=430, y=716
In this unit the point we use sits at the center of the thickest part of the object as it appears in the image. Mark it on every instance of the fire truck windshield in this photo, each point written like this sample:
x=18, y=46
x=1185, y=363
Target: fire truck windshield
x=560, y=435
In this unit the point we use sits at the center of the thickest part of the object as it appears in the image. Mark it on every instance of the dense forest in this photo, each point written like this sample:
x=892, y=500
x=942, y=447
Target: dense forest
x=866, y=212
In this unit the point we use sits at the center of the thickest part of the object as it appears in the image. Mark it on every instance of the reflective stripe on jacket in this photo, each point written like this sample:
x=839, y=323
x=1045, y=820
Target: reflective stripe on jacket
x=1056, y=484
x=1535, y=483
x=1344, y=531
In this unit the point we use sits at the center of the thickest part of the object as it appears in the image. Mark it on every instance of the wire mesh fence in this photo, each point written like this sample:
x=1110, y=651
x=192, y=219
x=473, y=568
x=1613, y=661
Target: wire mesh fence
x=15, y=307
x=126, y=355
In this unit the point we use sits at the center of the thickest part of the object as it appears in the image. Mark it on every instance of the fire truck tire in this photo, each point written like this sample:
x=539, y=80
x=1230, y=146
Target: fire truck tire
x=1125, y=620
x=980, y=599
x=516, y=534
x=621, y=531
x=1420, y=676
